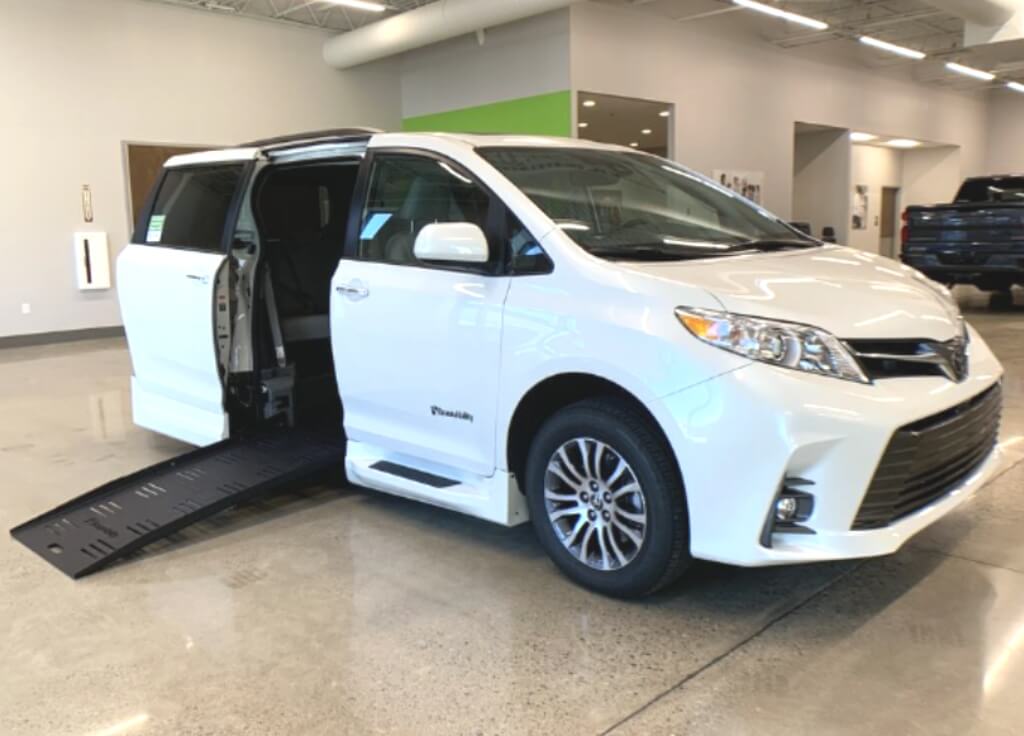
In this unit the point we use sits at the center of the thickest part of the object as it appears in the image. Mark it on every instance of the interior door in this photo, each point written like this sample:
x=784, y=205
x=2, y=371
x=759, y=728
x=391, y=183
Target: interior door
x=171, y=284
x=887, y=222
x=417, y=345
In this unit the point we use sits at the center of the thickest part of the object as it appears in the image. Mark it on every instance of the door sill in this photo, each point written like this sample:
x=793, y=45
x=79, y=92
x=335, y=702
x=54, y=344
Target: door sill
x=495, y=498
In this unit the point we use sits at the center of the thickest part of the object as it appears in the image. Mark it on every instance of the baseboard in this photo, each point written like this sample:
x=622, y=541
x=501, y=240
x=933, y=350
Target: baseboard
x=51, y=338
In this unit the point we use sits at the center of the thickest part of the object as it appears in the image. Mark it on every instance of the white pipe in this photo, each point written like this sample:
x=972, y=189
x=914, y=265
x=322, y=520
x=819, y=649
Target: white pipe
x=990, y=13
x=426, y=25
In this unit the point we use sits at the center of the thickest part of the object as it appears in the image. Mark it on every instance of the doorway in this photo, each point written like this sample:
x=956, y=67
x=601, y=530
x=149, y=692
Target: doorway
x=888, y=220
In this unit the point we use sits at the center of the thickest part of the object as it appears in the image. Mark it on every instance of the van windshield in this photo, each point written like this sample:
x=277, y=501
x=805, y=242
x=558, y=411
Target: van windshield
x=638, y=206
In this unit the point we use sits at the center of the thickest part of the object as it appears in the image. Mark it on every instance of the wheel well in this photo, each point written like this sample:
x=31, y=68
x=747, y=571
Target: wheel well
x=553, y=394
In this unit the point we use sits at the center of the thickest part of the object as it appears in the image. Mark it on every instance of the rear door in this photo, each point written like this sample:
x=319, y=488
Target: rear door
x=172, y=282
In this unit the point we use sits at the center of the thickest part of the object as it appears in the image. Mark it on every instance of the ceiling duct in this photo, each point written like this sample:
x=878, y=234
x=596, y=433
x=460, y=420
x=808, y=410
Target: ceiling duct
x=426, y=25
x=986, y=21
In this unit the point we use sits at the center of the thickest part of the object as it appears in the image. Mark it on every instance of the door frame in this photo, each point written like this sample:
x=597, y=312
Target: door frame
x=894, y=233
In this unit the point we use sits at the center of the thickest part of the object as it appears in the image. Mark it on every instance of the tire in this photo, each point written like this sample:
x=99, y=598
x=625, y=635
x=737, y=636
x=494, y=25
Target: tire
x=1000, y=300
x=594, y=542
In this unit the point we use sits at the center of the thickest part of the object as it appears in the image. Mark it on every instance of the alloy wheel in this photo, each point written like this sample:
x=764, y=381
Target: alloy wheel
x=595, y=504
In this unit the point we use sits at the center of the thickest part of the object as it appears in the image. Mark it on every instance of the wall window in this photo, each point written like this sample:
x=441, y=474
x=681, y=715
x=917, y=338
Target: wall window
x=407, y=193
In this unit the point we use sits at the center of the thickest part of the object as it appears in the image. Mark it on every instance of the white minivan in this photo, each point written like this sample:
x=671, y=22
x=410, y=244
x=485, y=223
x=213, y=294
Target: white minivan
x=648, y=366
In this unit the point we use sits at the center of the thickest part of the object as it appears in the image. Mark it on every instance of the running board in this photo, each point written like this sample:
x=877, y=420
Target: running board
x=91, y=531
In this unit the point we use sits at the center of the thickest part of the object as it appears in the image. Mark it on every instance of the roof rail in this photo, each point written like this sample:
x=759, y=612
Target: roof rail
x=314, y=136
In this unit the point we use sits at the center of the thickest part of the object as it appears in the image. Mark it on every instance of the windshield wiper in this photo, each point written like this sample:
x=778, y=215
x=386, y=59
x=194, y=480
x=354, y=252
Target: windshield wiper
x=770, y=244
x=644, y=253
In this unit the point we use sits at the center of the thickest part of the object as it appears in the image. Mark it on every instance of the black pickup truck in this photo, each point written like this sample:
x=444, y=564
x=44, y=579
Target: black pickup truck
x=979, y=239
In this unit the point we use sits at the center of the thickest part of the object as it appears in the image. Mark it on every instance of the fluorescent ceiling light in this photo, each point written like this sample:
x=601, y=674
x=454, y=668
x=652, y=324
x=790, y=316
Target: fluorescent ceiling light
x=361, y=5
x=892, y=48
x=645, y=131
x=968, y=71
x=589, y=103
x=862, y=137
x=903, y=143
x=664, y=113
x=583, y=125
x=1015, y=86
x=784, y=14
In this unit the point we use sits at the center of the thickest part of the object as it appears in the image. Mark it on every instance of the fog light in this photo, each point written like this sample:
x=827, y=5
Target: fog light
x=786, y=508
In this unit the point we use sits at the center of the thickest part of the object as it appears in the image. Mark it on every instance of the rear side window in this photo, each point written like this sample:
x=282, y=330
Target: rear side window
x=996, y=189
x=191, y=207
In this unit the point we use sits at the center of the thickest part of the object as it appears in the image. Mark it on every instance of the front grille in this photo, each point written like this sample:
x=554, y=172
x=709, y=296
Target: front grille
x=927, y=459
x=898, y=358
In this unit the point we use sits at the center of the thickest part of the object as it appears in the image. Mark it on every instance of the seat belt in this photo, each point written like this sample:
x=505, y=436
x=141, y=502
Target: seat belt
x=275, y=323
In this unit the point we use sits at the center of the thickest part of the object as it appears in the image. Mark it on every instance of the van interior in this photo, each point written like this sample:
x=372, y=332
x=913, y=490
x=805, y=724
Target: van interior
x=301, y=212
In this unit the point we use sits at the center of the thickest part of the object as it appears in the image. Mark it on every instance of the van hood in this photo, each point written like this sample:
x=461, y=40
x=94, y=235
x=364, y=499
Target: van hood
x=852, y=294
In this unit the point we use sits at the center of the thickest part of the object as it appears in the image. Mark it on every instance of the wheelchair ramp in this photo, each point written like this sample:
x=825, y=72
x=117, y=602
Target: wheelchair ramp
x=91, y=531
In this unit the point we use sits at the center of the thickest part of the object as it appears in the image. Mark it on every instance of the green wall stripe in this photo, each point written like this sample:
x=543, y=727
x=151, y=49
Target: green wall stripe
x=547, y=114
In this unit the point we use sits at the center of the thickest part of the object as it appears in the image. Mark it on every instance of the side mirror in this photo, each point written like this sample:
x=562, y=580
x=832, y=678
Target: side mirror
x=457, y=242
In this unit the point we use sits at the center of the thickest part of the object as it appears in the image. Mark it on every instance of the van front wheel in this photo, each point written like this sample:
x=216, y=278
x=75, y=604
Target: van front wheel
x=606, y=499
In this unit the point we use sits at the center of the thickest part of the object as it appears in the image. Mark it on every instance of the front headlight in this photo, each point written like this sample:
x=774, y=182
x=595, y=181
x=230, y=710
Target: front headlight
x=785, y=344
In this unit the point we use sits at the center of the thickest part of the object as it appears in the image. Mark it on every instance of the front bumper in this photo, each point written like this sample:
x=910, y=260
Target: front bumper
x=739, y=436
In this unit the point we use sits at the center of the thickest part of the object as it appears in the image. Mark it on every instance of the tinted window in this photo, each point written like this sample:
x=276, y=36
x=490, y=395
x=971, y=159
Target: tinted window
x=406, y=194
x=525, y=254
x=996, y=189
x=192, y=206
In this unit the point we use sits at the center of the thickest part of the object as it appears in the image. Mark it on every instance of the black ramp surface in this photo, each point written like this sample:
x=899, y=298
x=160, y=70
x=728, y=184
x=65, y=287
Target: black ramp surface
x=92, y=530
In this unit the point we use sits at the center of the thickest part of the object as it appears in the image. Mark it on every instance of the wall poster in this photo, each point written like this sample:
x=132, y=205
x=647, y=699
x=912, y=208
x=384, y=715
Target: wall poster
x=860, y=207
x=749, y=184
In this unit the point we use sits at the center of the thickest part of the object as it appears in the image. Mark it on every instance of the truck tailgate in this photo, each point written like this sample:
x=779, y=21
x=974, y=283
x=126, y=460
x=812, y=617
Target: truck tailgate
x=998, y=225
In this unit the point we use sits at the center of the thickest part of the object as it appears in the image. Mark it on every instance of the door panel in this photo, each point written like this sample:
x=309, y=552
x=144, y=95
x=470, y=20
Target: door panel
x=416, y=351
x=167, y=304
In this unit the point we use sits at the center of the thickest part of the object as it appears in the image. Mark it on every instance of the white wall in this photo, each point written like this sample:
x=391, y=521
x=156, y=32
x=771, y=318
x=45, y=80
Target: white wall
x=81, y=77
x=875, y=168
x=931, y=175
x=1006, y=133
x=737, y=97
x=821, y=173
x=521, y=59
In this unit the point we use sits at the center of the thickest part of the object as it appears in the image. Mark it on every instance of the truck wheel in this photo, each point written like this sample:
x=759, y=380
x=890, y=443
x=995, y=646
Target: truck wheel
x=606, y=499
x=1000, y=300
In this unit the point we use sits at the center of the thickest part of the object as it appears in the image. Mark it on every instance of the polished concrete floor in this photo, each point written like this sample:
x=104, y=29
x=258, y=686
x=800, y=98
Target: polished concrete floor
x=347, y=612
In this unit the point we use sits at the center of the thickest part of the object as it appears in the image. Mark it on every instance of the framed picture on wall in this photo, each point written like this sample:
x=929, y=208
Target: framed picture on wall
x=860, y=207
x=749, y=184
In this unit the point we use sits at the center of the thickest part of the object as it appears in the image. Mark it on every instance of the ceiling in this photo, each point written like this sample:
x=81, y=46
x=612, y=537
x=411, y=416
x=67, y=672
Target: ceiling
x=913, y=23
x=310, y=13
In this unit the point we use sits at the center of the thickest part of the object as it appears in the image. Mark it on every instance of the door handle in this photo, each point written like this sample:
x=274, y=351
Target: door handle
x=197, y=277
x=353, y=290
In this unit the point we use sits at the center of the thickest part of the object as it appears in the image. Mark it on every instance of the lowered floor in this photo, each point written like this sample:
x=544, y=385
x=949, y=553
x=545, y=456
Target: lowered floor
x=334, y=612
